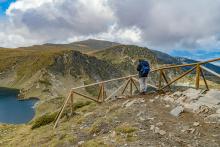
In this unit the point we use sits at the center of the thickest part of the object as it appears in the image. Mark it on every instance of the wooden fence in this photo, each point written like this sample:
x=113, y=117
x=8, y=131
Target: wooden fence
x=131, y=83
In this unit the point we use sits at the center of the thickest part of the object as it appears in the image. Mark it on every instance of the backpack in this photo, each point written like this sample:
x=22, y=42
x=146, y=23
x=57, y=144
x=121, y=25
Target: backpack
x=145, y=69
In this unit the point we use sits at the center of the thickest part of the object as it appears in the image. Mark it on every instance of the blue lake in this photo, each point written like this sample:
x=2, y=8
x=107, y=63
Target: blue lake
x=13, y=111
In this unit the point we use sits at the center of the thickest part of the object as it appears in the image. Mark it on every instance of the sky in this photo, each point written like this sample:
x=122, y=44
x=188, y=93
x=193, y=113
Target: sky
x=188, y=28
x=4, y=4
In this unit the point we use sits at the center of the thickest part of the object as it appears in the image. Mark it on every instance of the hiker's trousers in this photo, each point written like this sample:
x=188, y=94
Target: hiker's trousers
x=143, y=84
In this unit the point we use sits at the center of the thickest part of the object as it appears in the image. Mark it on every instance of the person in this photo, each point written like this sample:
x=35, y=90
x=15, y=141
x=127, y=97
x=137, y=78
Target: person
x=143, y=69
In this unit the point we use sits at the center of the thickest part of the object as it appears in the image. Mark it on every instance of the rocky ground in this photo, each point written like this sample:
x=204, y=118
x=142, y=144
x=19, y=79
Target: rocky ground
x=140, y=121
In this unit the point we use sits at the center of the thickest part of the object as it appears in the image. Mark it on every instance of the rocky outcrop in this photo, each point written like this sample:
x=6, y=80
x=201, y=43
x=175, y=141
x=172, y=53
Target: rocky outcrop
x=80, y=65
x=205, y=104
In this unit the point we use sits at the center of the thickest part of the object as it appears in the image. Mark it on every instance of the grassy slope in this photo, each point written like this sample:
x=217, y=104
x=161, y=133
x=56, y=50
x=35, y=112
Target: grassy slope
x=26, y=62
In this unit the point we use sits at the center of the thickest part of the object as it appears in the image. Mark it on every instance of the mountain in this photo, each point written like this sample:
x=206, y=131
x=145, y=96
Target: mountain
x=85, y=46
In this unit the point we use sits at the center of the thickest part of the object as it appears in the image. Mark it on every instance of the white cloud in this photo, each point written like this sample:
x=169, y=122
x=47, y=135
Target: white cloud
x=123, y=35
x=158, y=24
x=24, y=5
x=171, y=24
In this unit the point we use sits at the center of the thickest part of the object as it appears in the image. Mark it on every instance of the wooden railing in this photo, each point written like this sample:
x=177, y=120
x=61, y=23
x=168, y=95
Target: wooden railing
x=131, y=82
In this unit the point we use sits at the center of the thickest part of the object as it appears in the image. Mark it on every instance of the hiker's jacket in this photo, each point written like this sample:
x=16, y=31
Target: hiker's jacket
x=143, y=68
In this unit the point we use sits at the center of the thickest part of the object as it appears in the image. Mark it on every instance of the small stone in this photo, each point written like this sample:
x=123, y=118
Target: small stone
x=191, y=130
x=152, y=127
x=87, y=114
x=151, y=100
x=177, y=111
x=124, y=104
x=162, y=132
x=159, y=124
x=142, y=100
x=113, y=134
x=130, y=103
x=156, y=130
x=141, y=118
x=81, y=142
x=141, y=131
x=150, y=118
x=167, y=106
x=157, y=97
x=196, y=124
x=139, y=114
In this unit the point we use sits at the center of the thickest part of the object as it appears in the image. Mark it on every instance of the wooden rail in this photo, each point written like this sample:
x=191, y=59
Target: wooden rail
x=131, y=81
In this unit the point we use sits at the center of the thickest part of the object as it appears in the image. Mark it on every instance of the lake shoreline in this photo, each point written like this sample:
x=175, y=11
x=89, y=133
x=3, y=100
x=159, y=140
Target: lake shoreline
x=18, y=90
x=29, y=103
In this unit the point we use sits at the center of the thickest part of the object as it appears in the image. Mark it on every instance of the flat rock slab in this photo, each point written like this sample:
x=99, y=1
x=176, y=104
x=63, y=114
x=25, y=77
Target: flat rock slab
x=214, y=118
x=192, y=93
x=177, y=111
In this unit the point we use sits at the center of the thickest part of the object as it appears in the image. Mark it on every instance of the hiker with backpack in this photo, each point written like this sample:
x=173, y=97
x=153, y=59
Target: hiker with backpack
x=143, y=68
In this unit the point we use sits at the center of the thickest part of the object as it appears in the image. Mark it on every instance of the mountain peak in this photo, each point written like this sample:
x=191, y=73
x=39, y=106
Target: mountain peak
x=95, y=44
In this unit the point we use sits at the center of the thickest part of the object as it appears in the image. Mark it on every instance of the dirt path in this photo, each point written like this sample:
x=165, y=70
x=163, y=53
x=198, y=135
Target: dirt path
x=153, y=124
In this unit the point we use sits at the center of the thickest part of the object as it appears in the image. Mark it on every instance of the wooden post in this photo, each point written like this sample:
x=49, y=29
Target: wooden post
x=100, y=91
x=135, y=84
x=160, y=79
x=103, y=92
x=131, y=88
x=203, y=76
x=126, y=86
x=165, y=79
x=197, y=76
x=71, y=100
x=62, y=109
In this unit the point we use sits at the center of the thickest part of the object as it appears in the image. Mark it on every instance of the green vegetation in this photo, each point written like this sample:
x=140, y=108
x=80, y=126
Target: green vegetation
x=95, y=143
x=125, y=128
x=80, y=104
x=44, y=120
x=98, y=126
x=26, y=62
x=45, y=82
